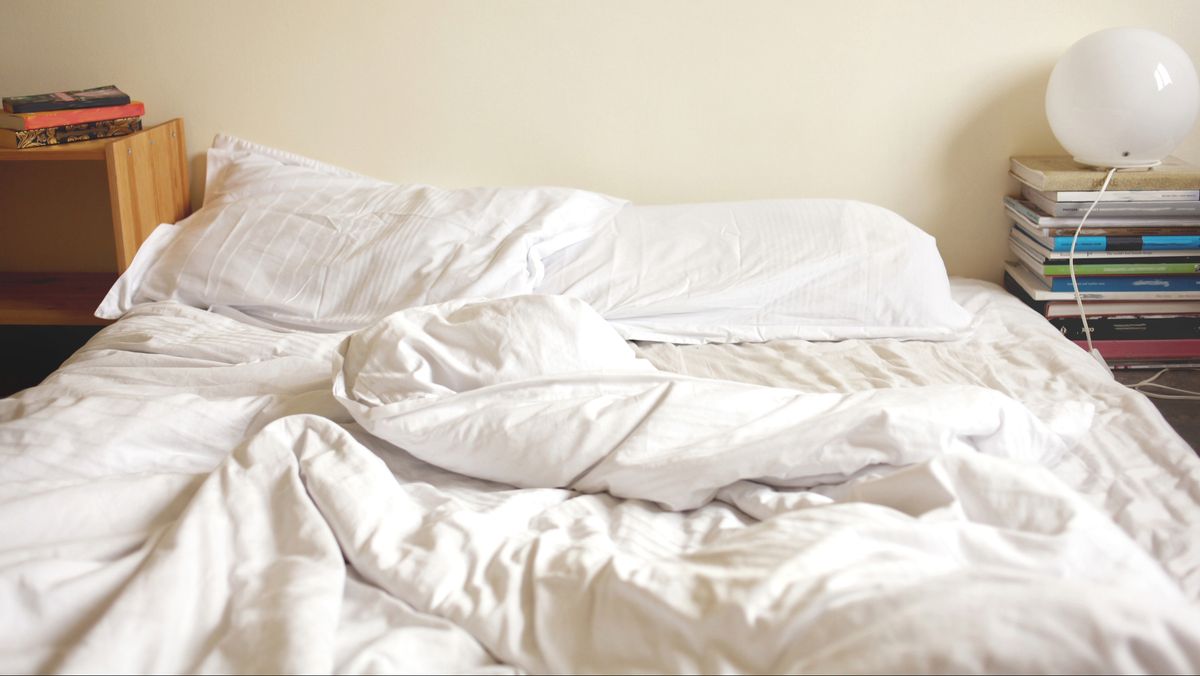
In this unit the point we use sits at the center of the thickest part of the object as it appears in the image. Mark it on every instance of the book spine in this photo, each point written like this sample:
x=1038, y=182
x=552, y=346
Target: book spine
x=1184, y=348
x=1122, y=231
x=1021, y=243
x=1083, y=244
x=1132, y=283
x=1031, y=177
x=1025, y=211
x=1130, y=328
x=1170, y=242
x=1122, y=209
x=60, y=118
x=107, y=95
x=1088, y=196
x=40, y=106
x=1153, y=364
x=1146, y=243
x=1148, y=308
x=1038, y=288
x=1040, y=201
x=1060, y=174
x=33, y=138
x=1061, y=270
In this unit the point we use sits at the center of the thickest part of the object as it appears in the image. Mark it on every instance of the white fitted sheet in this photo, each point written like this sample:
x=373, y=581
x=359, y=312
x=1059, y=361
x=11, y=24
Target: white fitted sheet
x=105, y=466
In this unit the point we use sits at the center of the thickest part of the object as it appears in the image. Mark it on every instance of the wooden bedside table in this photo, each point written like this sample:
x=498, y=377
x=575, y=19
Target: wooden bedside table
x=71, y=218
x=44, y=281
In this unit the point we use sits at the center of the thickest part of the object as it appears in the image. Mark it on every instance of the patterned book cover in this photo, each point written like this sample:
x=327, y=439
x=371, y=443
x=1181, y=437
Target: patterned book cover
x=33, y=138
x=1061, y=173
x=58, y=118
x=107, y=95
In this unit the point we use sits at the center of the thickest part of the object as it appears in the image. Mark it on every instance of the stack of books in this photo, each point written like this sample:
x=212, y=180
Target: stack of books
x=1137, y=259
x=64, y=117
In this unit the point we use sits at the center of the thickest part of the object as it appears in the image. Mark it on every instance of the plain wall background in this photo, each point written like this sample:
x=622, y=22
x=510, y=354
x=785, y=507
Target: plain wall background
x=913, y=105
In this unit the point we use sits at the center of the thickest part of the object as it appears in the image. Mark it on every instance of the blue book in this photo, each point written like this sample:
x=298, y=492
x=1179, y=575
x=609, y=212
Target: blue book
x=1127, y=283
x=1142, y=243
x=1083, y=244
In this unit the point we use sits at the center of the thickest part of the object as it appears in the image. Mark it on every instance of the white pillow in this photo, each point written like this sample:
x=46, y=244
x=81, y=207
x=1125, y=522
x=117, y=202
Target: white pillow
x=292, y=242
x=816, y=269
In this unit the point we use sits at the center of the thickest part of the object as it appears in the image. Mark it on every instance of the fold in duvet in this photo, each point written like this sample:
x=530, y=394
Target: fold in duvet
x=539, y=391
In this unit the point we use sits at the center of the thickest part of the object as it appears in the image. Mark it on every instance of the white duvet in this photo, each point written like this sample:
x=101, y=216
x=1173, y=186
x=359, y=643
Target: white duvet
x=911, y=526
x=540, y=392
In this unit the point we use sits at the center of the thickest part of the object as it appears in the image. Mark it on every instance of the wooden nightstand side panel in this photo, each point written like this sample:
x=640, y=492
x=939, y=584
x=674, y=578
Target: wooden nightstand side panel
x=148, y=185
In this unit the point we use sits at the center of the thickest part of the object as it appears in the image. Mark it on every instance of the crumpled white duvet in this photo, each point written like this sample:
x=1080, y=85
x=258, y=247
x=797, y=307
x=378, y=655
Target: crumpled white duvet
x=539, y=391
x=317, y=546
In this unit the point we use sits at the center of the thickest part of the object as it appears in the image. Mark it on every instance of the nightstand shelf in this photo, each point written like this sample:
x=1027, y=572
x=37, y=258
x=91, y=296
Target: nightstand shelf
x=125, y=186
x=61, y=299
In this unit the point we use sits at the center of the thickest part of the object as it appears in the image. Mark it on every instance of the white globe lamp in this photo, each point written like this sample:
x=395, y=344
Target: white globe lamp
x=1122, y=97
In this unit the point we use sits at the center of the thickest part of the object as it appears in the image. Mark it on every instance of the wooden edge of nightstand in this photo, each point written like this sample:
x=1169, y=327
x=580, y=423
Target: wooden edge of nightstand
x=147, y=183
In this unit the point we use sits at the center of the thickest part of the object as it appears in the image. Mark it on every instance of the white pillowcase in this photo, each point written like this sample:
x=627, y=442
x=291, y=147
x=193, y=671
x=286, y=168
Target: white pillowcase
x=292, y=242
x=815, y=269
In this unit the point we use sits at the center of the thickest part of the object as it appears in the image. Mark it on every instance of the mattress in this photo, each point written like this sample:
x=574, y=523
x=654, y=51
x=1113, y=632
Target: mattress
x=170, y=503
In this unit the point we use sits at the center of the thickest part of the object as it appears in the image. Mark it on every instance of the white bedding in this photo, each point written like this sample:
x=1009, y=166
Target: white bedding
x=540, y=392
x=134, y=540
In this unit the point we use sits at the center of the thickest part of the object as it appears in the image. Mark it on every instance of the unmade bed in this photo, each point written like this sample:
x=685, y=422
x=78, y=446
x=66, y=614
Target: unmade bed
x=515, y=482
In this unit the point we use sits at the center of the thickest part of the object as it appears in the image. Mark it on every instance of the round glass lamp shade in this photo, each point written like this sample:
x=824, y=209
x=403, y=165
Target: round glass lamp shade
x=1122, y=97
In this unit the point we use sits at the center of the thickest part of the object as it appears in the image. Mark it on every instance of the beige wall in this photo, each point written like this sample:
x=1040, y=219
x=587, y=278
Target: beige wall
x=913, y=105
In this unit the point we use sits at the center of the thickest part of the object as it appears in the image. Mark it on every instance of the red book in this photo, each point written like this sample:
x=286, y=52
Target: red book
x=59, y=118
x=1176, y=348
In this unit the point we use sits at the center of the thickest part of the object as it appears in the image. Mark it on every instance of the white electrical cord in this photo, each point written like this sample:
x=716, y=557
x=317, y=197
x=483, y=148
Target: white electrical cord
x=1149, y=382
x=1087, y=330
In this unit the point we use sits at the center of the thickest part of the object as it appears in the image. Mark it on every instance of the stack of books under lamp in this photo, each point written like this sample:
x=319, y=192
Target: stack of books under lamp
x=1137, y=260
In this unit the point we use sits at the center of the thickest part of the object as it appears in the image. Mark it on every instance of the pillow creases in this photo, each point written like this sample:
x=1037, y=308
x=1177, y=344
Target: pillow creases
x=291, y=242
x=295, y=243
x=813, y=269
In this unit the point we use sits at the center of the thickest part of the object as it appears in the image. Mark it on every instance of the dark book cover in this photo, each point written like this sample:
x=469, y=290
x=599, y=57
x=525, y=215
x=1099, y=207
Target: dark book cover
x=1060, y=258
x=108, y=95
x=1127, y=328
x=33, y=138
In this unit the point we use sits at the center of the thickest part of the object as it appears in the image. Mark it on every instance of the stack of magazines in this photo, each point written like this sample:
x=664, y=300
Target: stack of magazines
x=1136, y=261
x=63, y=117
